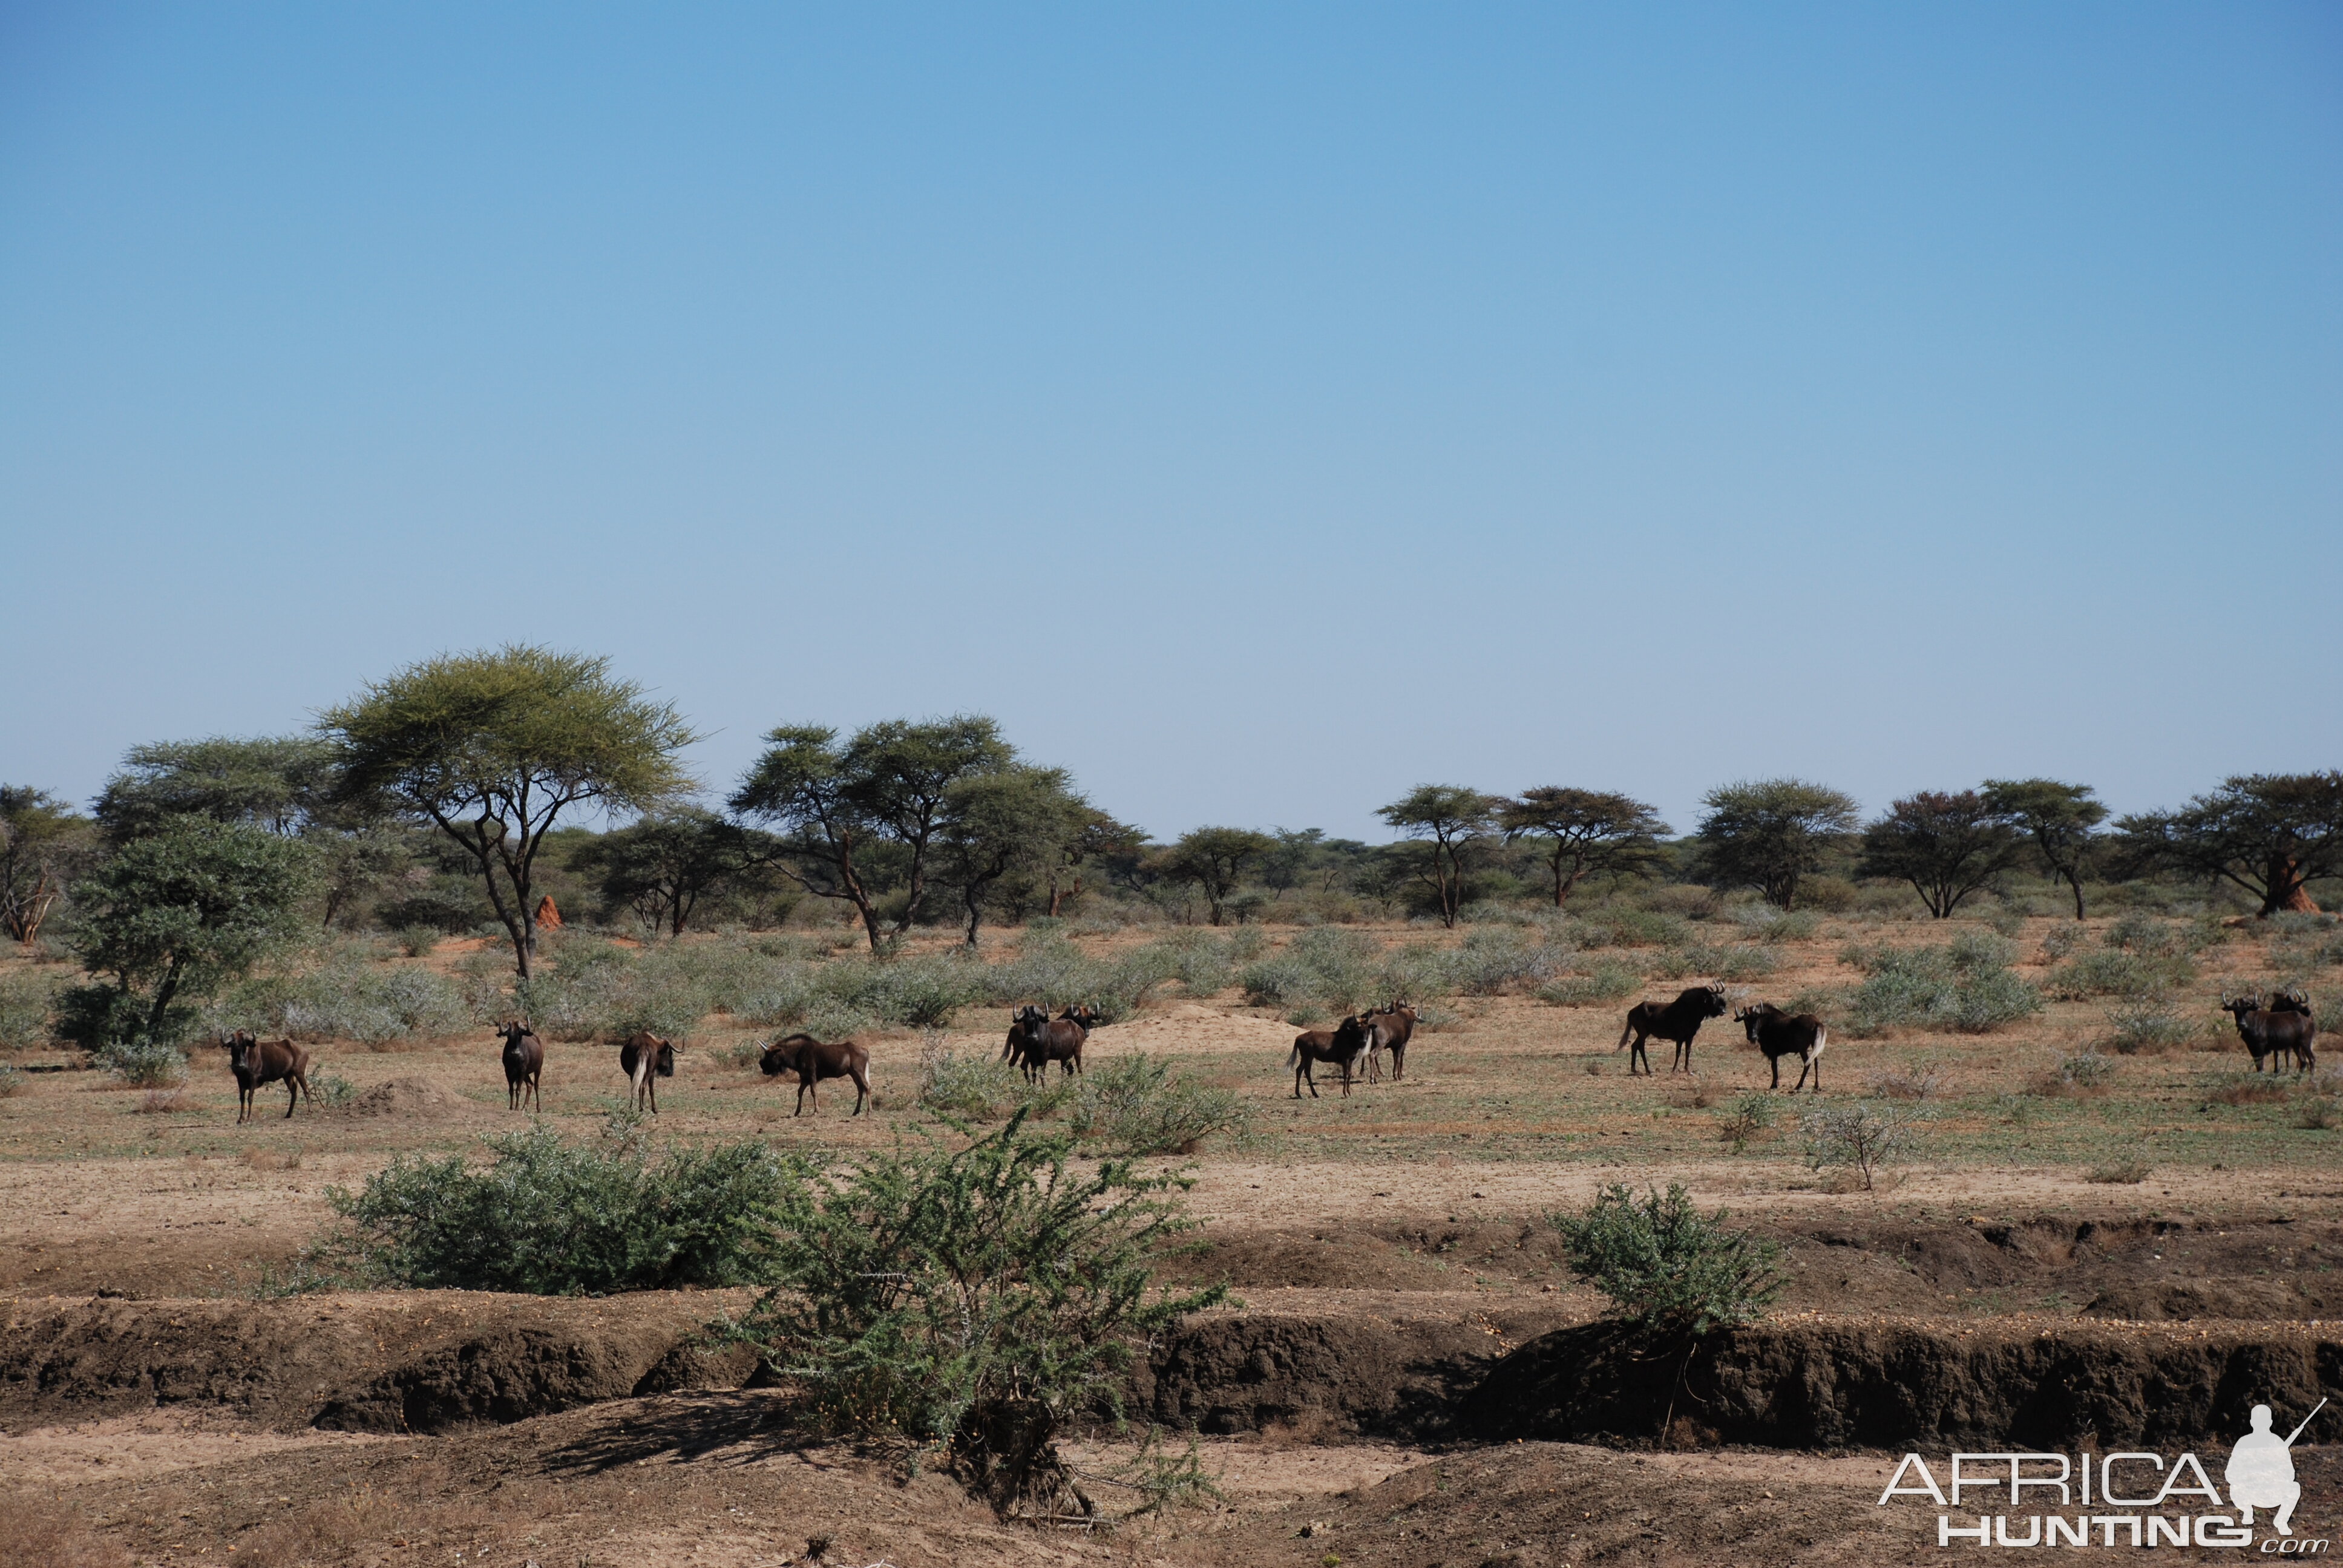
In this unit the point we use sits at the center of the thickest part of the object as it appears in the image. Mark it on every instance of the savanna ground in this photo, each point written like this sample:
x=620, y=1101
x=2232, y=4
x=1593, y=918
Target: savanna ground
x=2175, y=1188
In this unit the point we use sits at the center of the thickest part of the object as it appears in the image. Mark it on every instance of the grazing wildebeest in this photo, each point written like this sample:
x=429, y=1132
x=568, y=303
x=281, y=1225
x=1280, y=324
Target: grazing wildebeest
x=1388, y=1028
x=644, y=1058
x=1024, y=1025
x=259, y=1062
x=524, y=1063
x=2274, y=1031
x=1676, y=1022
x=1058, y=1039
x=1340, y=1046
x=1779, y=1034
x=812, y=1061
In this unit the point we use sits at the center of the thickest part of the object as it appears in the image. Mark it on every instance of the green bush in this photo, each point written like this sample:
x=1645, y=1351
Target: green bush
x=1619, y=928
x=976, y=1297
x=1746, y=1120
x=2148, y=1027
x=1737, y=961
x=552, y=1218
x=1667, y=1267
x=13, y=1082
x=332, y=1089
x=1857, y=1137
x=2112, y=972
x=1606, y=980
x=980, y=1087
x=28, y=1001
x=141, y=1065
x=346, y=998
x=1138, y=1104
x=1964, y=985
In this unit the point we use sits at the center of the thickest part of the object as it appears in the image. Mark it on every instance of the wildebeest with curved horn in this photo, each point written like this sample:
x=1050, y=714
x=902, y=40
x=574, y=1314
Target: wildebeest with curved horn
x=524, y=1059
x=1676, y=1022
x=813, y=1061
x=1340, y=1046
x=644, y=1058
x=2270, y=1030
x=1388, y=1028
x=1779, y=1034
x=259, y=1062
x=1023, y=1024
x=1059, y=1040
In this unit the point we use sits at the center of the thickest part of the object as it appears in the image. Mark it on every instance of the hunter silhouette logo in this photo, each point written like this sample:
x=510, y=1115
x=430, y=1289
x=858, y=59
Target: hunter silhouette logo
x=2261, y=1472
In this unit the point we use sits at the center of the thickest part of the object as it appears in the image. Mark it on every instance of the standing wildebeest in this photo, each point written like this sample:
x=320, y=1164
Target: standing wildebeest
x=524, y=1064
x=1058, y=1039
x=2276, y=1031
x=812, y=1061
x=259, y=1062
x=644, y=1058
x=1023, y=1024
x=1388, y=1028
x=1341, y=1046
x=1779, y=1034
x=1676, y=1022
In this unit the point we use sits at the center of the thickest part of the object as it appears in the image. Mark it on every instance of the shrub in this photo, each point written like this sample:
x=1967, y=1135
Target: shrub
x=1606, y=980
x=552, y=1218
x=332, y=1089
x=1749, y=1120
x=143, y=1066
x=1664, y=1265
x=346, y=999
x=1965, y=985
x=1633, y=929
x=2125, y=1173
x=982, y=1087
x=1765, y=923
x=13, y=1082
x=1857, y=1137
x=2146, y=1027
x=2319, y=1106
x=2245, y=1088
x=1916, y=1082
x=977, y=1298
x=1137, y=1105
x=1735, y=962
x=2111, y=972
x=1491, y=962
x=26, y=1003
x=2061, y=940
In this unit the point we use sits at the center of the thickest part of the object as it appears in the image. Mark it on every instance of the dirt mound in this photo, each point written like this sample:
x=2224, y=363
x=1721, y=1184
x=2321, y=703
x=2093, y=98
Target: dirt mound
x=412, y=1099
x=426, y=1362
x=1838, y=1384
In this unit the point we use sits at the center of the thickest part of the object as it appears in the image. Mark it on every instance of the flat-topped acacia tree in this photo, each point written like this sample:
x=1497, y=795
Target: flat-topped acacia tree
x=491, y=748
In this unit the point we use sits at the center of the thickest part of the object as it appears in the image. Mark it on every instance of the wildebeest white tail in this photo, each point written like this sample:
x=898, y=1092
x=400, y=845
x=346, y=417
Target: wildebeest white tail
x=1822, y=1038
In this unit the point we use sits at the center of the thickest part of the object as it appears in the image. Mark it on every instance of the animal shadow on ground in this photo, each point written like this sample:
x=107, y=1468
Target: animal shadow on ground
x=740, y=1427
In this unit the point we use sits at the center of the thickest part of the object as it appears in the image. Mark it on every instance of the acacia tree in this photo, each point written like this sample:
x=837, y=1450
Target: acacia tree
x=1946, y=846
x=2270, y=833
x=44, y=844
x=1008, y=821
x=1584, y=832
x=887, y=788
x=1097, y=840
x=173, y=915
x=1768, y=834
x=492, y=749
x=664, y=865
x=2061, y=819
x=1450, y=822
x=1213, y=860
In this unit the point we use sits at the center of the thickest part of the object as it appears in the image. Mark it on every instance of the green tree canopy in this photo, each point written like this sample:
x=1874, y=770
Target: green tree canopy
x=1213, y=860
x=44, y=845
x=1770, y=833
x=664, y=865
x=2272, y=834
x=1005, y=822
x=1947, y=846
x=279, y=783
x=173, y=915
x=2061, y=820
x=1451, y=822
x=1583, y=832
x=491, y=748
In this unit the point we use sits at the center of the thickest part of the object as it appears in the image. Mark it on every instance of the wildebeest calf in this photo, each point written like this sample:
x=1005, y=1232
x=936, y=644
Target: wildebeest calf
x=1676, y=1022
x=1779, y=1034
x=813, y=1060
x=644, y=1058
x=1340, y=1046
x=524, y=1056
x=259, y=1062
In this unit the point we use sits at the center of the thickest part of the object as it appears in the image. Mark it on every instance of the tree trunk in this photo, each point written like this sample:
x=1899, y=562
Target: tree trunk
x=2286, y=892
x=2075, y=880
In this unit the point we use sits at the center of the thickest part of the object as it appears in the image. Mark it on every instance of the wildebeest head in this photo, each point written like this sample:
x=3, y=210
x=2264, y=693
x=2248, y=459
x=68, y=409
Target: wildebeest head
x=1754, y=1017
x=513, y=1033
x=2238, y=1006
x=238, y=1047
x=1085, y=1015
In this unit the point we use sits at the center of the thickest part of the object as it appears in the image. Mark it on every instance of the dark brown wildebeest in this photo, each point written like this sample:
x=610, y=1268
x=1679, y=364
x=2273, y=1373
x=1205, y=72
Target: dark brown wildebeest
x=1024, y=1025
x=644, y=1058
x=2277, y=1032
x=1779, y=1034
x=812, y=1061
x=1676, y=1022
x=1340, y=1046
x=1388, y=1028
x=524, y=1057
x=259, y=1062
x=1059, y=1040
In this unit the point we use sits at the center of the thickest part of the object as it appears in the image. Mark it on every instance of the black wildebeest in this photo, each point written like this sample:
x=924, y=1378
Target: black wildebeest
x=1340, y=1046
x=1059, y=1040
x=524, y=1057
x=1388, y=1028
x=259, y=1062
x=2275, y=1030
x=812, y=1061
x=1779, y=1034
x=1676, y=1022
x=644, y=1058
x=1024, y=1025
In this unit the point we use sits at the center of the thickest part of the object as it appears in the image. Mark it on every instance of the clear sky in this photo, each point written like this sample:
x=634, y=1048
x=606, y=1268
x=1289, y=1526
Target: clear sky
x=1259, y=408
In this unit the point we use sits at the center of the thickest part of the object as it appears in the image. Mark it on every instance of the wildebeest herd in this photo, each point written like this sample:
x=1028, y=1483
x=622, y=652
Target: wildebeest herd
x=2277, y=1029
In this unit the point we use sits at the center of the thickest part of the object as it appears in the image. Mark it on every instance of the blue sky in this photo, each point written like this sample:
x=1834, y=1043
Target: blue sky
x=1259, y=410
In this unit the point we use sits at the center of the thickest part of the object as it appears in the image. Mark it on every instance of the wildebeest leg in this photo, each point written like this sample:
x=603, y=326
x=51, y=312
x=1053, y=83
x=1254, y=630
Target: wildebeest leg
x=805, y=1080
x=1775, y=1063
x=861, y=1088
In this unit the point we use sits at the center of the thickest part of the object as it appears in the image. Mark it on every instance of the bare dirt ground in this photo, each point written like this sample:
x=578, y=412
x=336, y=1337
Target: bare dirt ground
x=155, y=1407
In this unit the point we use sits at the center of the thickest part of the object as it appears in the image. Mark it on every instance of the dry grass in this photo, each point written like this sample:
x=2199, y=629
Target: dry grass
x=162, y=1103
x=363, y=1517
x=2244, y=1091
x=2126, y=1173
x=273, y=1159
x=43, y=1535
